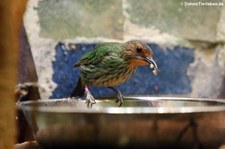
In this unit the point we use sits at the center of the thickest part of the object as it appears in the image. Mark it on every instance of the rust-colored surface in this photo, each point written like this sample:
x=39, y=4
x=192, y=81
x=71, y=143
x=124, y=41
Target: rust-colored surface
x=11, y=14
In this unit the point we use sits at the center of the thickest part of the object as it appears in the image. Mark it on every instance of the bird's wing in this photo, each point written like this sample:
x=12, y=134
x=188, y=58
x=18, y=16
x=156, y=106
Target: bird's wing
x=100, y=52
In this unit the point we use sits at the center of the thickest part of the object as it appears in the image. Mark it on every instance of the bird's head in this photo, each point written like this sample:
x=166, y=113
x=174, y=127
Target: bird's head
x=139, y=54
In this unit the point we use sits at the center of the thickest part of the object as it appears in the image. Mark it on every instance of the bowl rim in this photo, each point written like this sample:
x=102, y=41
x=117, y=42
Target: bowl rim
x=24, y=106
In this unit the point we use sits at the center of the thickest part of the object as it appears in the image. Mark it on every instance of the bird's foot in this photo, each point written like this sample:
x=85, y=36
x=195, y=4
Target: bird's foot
x=89, y=98
x=120, y=99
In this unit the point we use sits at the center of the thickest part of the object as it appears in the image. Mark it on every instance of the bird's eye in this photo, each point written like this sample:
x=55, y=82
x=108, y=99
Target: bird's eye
x=139, y=49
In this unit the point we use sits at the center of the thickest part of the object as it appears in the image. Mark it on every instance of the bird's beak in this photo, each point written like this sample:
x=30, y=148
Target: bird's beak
x=151, y=62
x=152, y=65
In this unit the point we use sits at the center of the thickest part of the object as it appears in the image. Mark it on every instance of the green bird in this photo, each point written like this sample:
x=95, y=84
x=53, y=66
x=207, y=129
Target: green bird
x=110, y=64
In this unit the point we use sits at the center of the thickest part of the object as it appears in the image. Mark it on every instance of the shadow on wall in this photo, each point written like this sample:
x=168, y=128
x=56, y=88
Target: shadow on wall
x=172, y=78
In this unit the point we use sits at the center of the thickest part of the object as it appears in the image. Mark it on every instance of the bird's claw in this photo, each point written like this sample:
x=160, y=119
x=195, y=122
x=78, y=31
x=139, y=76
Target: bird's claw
x=89, y=99
x=120, y=99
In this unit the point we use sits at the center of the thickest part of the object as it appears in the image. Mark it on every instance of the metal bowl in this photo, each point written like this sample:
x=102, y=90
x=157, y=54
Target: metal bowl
x=157, y=122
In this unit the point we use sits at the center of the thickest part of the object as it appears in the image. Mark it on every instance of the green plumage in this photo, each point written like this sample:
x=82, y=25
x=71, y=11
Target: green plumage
x=105, y=66
x=99, y=53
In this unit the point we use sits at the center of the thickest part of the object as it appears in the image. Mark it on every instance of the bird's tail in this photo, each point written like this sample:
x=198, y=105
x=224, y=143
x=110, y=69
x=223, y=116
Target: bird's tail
x=79, y=89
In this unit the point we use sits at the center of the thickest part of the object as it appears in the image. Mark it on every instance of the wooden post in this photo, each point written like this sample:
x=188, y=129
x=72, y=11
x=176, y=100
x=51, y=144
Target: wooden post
x=11, y=15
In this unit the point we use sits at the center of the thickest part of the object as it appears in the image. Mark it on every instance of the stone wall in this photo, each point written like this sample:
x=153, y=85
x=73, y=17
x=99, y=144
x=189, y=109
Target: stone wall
x=186, y=37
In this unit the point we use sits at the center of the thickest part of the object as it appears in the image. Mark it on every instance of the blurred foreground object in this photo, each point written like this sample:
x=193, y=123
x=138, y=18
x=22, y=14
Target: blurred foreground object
x=11, y=15
x=27, y=145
